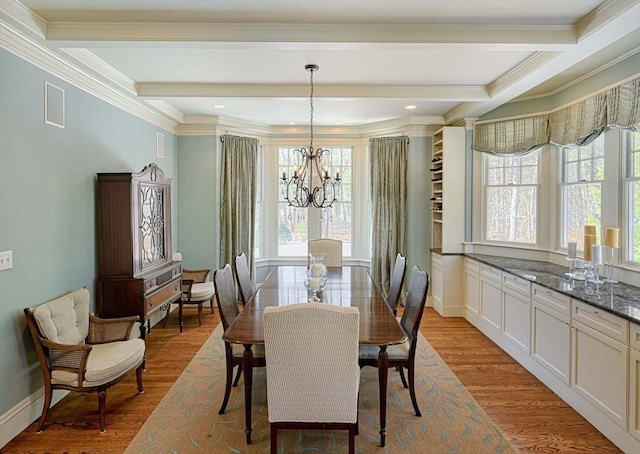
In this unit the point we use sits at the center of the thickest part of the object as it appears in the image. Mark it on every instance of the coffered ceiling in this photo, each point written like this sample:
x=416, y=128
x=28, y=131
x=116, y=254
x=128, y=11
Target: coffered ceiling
x=452, y=60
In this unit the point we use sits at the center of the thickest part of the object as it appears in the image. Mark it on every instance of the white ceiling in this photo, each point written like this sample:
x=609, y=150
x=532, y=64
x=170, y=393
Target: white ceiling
x=452, y=59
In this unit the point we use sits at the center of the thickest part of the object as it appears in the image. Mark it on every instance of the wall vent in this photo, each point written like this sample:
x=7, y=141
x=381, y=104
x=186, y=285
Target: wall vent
x=160, y=145
x=53, y=105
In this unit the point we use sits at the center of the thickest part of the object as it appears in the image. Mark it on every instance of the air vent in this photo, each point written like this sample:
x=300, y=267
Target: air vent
x=53, y=105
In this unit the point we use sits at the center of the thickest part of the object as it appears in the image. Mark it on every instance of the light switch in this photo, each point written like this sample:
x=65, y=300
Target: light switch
x=6, y=260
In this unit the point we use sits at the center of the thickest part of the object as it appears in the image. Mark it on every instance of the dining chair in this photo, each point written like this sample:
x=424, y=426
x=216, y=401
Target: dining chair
x=312, y=368
x=333, y=249
x=397, y=281
x=83, y=353
x=228, y=309
x=404, y=355
x=245, y=283
x=196, y=290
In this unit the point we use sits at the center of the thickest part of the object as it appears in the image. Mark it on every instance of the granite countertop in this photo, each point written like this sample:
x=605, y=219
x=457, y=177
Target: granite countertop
x=620, y=299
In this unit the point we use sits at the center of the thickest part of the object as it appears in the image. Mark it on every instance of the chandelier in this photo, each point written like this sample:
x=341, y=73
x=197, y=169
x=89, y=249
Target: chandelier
x=300, y=191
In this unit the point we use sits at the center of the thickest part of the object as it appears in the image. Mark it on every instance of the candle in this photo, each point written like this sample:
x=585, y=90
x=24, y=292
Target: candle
x=572, y=250
x=589, y=240
x=314, y=283
x=611, y=236
x=317, y=270
x=337, y=175
x=589, y=229
x=596, y=254
x=579, y=264
x=284, y=175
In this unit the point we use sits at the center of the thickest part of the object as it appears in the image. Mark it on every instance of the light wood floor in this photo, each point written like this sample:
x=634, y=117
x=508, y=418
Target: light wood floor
x=531, y=416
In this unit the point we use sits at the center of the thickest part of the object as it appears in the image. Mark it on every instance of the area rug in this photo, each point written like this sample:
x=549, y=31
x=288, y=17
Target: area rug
x=187, y=419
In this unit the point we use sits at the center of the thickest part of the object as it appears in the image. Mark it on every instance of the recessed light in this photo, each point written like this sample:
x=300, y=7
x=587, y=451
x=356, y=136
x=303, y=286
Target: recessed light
x=219, y=106
x=410, y=107
x=338, y=123
x=292, y=122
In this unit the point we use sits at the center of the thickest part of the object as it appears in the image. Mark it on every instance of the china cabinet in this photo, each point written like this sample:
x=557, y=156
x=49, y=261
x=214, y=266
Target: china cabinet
x=136, y=275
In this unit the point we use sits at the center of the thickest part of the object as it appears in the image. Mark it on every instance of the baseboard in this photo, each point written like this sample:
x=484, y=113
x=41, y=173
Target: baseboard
x=21, y=415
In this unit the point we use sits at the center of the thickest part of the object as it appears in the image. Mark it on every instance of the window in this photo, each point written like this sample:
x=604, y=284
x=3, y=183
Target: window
x=511, y=198
x=292, y=222
x=336, y=221
x=581, y=189
x=296, y=225
x=632, y=192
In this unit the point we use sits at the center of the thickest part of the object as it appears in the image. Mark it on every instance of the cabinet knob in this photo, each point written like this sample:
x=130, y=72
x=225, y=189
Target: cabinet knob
x=596, y=313
x=150, y=302
x=176, y=288
x=547, y=292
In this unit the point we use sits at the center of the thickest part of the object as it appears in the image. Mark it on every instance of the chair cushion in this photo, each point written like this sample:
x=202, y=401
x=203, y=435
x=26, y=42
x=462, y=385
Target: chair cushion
x=238, y=350
x=400, y=351
x=202, y=291
x=106, y=362
x=65, y=320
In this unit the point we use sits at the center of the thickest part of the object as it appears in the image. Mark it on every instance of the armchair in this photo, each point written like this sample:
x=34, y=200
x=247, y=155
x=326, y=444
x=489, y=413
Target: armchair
x=83, y=353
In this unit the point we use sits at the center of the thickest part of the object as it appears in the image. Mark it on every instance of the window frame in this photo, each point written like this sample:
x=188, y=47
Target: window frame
x=628, y=180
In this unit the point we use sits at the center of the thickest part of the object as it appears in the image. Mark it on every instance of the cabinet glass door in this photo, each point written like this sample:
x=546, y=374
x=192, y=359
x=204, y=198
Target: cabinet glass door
x=152, y=224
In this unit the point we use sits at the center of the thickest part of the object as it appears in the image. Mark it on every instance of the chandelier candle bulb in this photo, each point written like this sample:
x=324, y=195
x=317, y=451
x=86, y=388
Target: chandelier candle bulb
x=572, y=250
x=611, y=237
x=589, y=240
x=596, y=254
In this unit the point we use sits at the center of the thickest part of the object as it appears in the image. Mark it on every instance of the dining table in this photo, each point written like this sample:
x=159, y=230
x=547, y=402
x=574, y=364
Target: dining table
x=345, y=286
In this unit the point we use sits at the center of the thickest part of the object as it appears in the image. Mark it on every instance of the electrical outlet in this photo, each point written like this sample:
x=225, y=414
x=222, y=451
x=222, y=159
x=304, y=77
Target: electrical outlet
x=6, y=260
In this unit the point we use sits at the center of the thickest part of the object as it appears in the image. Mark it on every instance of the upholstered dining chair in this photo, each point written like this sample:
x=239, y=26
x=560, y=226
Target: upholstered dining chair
x=82, y=353
x=333, y=249
x=397, y=280
x=404, y=355
x=245, y=283
x=195, y=290
x=228, y=309
x=312, y=368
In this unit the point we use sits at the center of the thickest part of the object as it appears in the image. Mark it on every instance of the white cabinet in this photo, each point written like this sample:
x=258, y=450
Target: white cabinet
x=516, y=320
x=600, y=362
x=634, y=382
x=551, y=332
x=447, y=197
x=446, y=274
x=490, y=298
x=471, y=290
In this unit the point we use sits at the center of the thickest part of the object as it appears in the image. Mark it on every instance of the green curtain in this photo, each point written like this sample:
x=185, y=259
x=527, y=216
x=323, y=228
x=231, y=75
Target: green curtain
x=388, y=179
x=238, y=176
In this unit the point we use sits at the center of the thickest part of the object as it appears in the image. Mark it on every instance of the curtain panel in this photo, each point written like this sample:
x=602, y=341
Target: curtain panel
x=573, y=126
x=388, y=185
x=238, y=177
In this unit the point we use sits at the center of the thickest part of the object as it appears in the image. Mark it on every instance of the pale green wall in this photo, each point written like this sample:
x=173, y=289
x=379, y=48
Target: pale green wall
x=199, y=201
x=418, y=195
x=47, y=214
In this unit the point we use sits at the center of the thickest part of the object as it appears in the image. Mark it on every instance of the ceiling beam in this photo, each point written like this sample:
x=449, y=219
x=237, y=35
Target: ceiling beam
x=348, y=91
x=277, y=35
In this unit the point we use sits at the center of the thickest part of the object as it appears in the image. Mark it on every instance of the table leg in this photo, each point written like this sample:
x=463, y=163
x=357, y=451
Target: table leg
x=247, y=365
x=383, y=372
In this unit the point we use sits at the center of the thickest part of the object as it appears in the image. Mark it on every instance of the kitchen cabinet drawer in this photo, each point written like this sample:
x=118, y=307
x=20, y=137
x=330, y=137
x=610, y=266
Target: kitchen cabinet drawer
x=516, y=284
x=602, y=321
x=551, y=299
x=634, y=336
x=490, y=272
x=471, y=266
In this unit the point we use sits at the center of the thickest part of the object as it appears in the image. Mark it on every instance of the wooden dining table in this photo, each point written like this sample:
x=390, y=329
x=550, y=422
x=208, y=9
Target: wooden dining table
x=346, y=286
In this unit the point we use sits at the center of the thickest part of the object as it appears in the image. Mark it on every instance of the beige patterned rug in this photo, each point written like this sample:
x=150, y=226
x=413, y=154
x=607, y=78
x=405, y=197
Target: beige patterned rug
x=187, y=419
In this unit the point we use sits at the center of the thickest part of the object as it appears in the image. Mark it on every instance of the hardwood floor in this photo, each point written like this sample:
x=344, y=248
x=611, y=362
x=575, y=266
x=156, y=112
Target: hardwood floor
x=531, y=416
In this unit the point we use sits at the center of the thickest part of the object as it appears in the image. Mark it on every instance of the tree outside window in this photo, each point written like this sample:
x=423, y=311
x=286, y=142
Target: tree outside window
x=511, y=198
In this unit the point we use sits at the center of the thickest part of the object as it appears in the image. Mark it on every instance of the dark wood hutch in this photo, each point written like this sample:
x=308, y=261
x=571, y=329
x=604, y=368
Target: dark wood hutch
x=136, y=274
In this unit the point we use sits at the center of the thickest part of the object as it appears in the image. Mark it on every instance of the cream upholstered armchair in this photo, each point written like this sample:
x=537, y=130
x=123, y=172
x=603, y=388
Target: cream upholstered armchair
x=82, y=353
x=311, y=352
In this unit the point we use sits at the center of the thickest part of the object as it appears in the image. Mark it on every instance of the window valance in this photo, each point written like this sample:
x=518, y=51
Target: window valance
x=572, y=126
